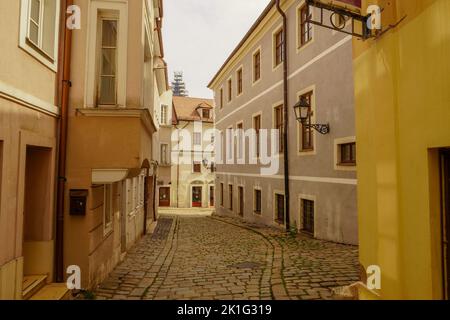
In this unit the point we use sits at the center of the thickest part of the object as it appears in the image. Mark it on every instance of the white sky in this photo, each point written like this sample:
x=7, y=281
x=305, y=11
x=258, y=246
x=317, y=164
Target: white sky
x=200, y=34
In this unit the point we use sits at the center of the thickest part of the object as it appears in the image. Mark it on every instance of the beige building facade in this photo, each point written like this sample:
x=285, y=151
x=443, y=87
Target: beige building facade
x=29, y=115
x=192, y=155
x=249, y=95
x=162, y=151
x=119, y=82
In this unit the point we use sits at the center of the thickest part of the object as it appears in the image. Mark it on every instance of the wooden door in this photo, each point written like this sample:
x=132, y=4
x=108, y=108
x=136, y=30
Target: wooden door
x=196, y=197
x=164, y=197
x=280, y=208
x=211, y=196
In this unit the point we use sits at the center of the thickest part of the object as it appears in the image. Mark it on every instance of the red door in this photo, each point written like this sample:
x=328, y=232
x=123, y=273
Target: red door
x=164, y=197
x=197, y=197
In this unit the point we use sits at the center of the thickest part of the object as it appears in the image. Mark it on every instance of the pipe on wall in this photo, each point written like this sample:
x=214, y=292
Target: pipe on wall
x=286, y=116
x=64, y=85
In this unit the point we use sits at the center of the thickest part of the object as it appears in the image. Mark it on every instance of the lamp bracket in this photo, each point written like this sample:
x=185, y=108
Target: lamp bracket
x=321, y=128
x=358, y=22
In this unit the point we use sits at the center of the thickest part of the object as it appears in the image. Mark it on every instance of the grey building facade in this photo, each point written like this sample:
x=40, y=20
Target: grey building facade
x=248, y=93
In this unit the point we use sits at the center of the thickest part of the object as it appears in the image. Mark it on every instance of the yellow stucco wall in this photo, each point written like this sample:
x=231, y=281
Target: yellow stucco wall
x=402, y=95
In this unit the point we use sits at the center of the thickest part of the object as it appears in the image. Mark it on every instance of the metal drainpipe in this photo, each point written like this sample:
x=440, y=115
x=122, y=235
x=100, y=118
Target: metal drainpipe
x=64, y=88
x=286, y=117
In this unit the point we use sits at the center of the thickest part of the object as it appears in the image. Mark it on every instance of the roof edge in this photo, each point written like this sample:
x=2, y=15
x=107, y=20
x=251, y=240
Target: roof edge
x=241, y=43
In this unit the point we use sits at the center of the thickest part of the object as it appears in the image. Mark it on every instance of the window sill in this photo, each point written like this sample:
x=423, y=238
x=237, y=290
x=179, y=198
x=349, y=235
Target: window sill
x=254, y=83
x=276, y=67
x=39, y=55
x=346, y=164
x=107, y=231
x=302, y=47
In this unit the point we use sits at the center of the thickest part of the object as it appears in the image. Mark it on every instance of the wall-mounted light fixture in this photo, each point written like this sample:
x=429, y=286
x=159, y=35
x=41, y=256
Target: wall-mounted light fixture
x=303, y=112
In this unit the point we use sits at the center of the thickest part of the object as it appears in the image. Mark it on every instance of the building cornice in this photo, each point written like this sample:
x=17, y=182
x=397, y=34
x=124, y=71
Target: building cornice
x=143, y=114
x=27, y=100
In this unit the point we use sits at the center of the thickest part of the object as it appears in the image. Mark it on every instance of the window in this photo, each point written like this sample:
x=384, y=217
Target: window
x=39, y=26
x=206, y=114
x=135, y=189
x=129, y=200
x=279, y=125
x=240, y=140
x=239, y=81
x=197, y=139
x=164, y=154
x=108, y=63
x=257, y=66
x=164, y=114
x=305, y=28
x=230, y=90
x=107, y=208
x=307, y=133
x=279, y=47
x=142, y=190
x=257, y=204
x=279, y=208
x=221, y=98
x=347, y=154
x=257, y=128
x=221, y=195
x=230, y=196
x=230, y=143
x=307, y=208
x=197, y=167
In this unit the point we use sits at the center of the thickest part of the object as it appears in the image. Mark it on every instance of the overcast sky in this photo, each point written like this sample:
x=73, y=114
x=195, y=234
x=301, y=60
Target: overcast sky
x=200, y=34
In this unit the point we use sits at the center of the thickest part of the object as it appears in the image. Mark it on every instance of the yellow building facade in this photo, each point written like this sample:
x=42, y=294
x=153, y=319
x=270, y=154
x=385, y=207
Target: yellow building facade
x=402, y=81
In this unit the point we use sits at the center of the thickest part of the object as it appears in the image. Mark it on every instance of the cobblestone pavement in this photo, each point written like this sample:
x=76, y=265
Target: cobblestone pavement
x=224, y=258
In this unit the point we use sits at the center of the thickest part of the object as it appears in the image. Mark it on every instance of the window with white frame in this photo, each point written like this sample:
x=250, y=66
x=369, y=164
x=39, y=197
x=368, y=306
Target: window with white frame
x=39, y=24
x=197, y=138
x=107, y=208
x=142, y=190
x=107, y=87
x=164, y=154
x=164, y=114
x=128, y=186
x=141, y=181
x=230, y=144
x=135, y=192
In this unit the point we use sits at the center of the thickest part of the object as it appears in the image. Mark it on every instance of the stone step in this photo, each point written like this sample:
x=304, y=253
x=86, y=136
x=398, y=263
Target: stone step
x=32, y=284
x=53, y=291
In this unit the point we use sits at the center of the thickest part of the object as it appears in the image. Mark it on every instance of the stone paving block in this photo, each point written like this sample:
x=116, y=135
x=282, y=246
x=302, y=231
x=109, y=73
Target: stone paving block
x=198, y=263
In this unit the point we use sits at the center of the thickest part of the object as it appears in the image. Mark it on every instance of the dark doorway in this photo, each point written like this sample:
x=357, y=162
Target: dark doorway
x=196, y=197
x=279, y=206
x=164, y=197
x=308, y=216
x=211, y=196
x=445, y=174
x=241, y=201
x=37, y=219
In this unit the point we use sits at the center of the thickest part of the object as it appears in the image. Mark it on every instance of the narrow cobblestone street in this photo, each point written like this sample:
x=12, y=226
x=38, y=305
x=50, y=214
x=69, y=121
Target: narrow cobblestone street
x=223, y=258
